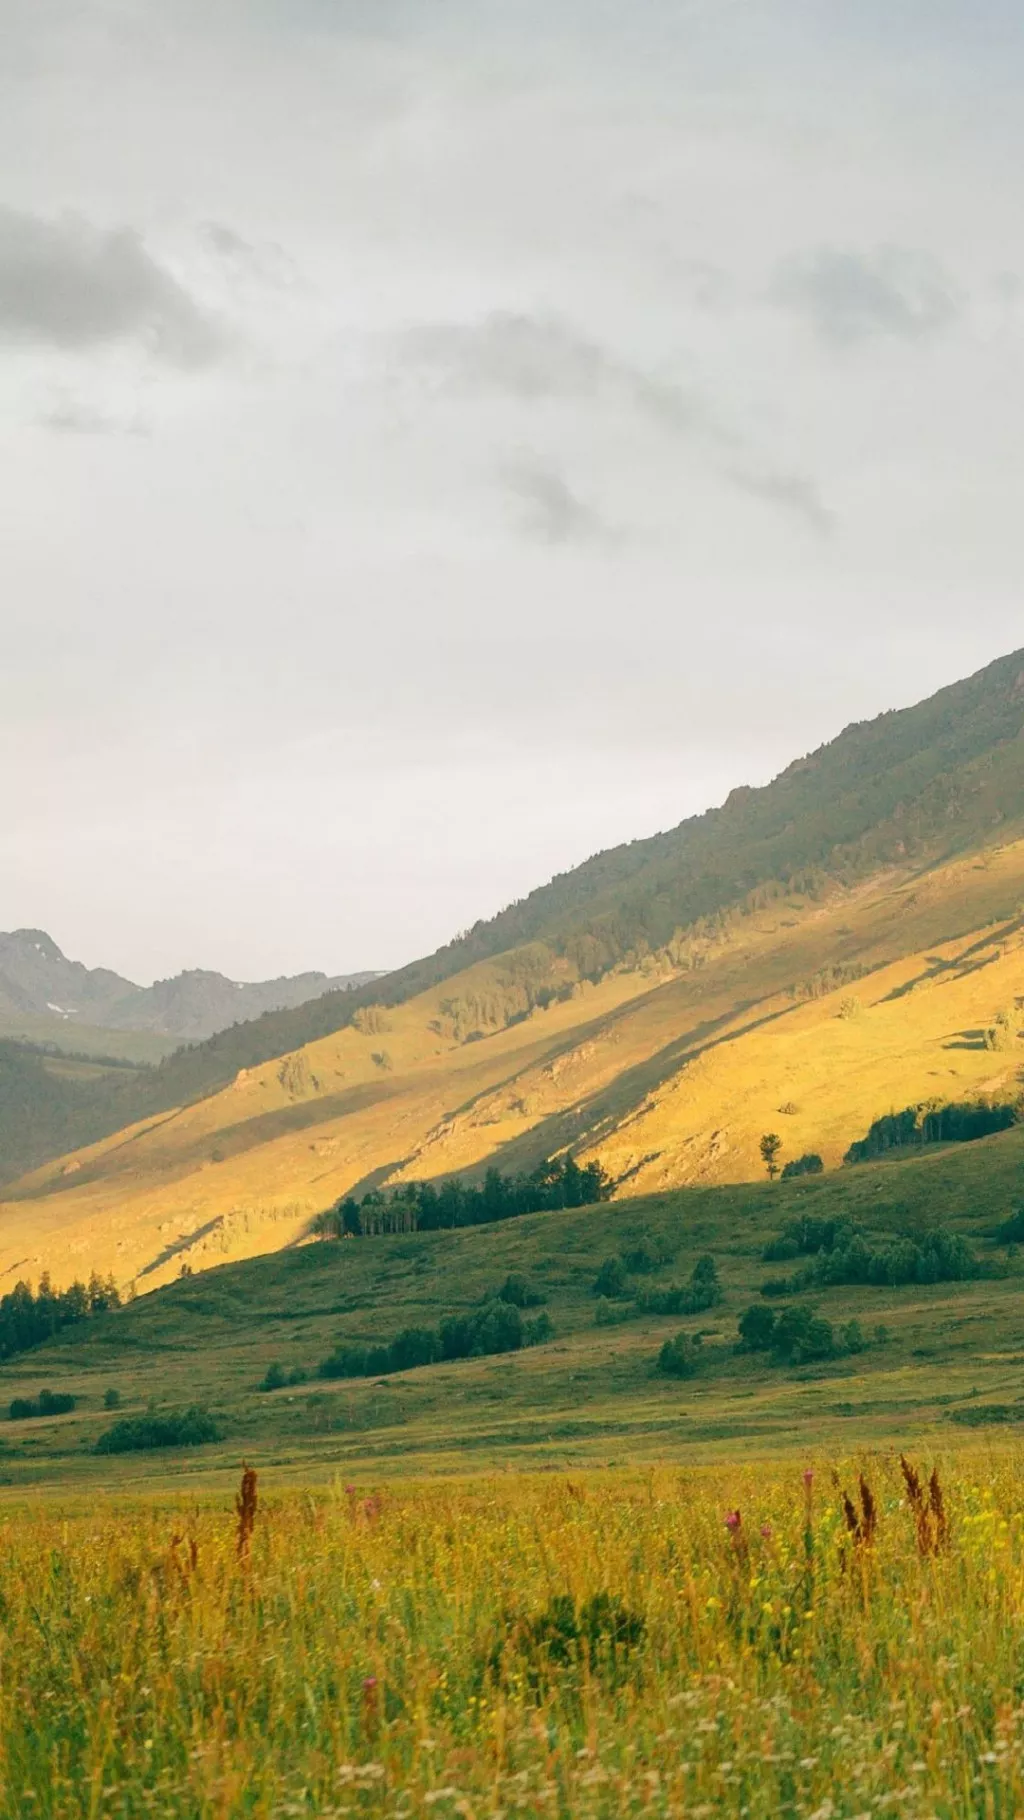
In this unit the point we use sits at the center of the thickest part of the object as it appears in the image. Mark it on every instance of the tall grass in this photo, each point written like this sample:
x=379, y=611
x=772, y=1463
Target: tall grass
x=756, y=1642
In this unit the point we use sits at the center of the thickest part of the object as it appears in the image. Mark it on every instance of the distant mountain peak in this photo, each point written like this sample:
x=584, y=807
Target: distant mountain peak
x=38, y=981
x=37, y=939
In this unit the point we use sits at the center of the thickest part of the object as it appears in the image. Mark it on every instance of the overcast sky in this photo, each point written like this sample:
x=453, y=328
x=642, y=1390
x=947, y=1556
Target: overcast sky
x=440, y=439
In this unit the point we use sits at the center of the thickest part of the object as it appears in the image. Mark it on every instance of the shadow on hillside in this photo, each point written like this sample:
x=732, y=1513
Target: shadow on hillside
x=967, y=1039
x=588, y=1118
x=971, y=960
x=233, y=1140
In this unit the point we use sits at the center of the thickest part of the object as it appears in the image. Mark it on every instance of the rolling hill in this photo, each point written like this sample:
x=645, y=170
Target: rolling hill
x=939, y=1359
x=802, y=959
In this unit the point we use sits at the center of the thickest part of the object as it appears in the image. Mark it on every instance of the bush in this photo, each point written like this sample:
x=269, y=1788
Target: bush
x=412, y=1347
x=537, y=1331
x=703, y=1291
x=517, y=1292
x=274, y=1378
x=111, y=1398
x=611, y=1279
x=137, y=1434
x=679, y=1358
x=808, y=1164
x=1011, y=1232
x=646, y=1256
x=794, y=1336
x=495, y=1327
x=846, y=1255
x=756, y=1328
x=800, y=1337
x=47, y=1403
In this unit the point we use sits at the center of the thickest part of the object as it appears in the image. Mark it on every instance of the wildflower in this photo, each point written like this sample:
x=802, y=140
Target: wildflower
x=732, y=1521
x=245, y=1509
x=767, y=1531
x=371, y=1705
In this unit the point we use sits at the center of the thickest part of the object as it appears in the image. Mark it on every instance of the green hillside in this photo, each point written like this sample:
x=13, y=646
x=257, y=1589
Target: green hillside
x=951, y=1354
x=910, y=787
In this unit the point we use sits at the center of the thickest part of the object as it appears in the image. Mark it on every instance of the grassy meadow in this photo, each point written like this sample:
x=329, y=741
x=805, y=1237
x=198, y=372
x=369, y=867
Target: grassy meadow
x=947, y=1365
x=731, y=1640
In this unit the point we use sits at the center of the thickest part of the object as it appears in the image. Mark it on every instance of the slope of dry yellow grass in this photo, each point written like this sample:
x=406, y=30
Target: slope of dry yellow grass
x=669, y=1073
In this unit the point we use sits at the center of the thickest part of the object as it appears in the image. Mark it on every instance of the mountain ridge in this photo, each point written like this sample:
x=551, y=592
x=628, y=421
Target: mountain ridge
x=39, y=981
x=894, y=808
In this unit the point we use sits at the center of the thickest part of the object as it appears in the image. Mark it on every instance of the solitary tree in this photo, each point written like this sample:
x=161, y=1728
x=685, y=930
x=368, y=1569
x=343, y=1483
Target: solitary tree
x=771, y=1144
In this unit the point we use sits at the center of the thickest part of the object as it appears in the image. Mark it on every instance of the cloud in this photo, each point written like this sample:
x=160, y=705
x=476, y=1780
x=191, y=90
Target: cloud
x=792, y=492
x=548, y=508
x=266, y=263
x=67, y=284
x=76, y=417
x=849, y=297
x=531, y=358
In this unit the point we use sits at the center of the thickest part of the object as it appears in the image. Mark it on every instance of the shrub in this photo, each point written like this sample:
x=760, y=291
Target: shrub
x=611, y=1279
x=47, y=1403
x=646, y=1255
x=111, y=1398
x=703, y=1291
x=799, y=1337
x=1011, y=1232
x=844, y=1254
x=537, y=1331
x=518, y=1293
x=136, y=1434
x=413, y=1346
x=274, y=1378
x=495, y=1327
x=808, y=1164
x=679, y=1358
x=757, y=1327
x=599, y=1635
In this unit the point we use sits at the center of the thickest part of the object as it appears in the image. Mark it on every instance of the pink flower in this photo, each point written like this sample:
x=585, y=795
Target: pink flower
x=766, y=1531
x=732, y=1520
x=809, y=1477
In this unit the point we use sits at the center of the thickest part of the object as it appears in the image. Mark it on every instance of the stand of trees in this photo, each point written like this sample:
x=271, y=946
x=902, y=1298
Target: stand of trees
x=27, y=1319
x=497, y=1326
x=933, y=1123
x=426, y=1207
x=842, y=1253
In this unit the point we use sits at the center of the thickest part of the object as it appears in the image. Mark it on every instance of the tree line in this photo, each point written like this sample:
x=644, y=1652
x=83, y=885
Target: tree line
x=430, y=1207
x=27, y=1319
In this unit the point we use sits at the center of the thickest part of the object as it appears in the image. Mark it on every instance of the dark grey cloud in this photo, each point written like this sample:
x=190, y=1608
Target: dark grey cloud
x=851, y=296
x=536, y=357
x=548, y=508
x=66, y=283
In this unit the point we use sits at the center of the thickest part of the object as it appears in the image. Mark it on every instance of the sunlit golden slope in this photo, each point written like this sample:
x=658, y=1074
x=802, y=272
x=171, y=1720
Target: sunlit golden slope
x=669, y=1073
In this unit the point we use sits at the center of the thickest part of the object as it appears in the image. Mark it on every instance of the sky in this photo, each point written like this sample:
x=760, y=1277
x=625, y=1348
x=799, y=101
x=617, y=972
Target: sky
x=442, y=440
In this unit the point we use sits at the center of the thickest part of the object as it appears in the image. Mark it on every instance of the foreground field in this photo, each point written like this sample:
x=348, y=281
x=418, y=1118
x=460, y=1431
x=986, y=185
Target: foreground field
x=693, y=1644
